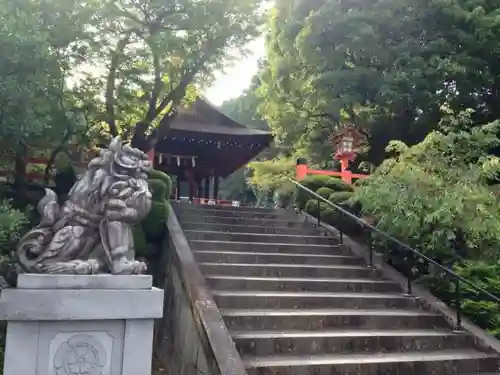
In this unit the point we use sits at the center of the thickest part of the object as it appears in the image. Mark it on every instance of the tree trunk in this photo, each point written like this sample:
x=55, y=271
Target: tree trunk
x=20, y=183
x=140, y=139
x=147, y=142
x=50, y=164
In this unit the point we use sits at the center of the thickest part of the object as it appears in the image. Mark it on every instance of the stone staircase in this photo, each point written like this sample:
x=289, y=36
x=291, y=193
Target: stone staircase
x=298, y=303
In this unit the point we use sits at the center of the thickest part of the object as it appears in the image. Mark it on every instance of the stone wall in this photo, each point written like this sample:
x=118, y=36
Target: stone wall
x=183, y=347
x=192, y=337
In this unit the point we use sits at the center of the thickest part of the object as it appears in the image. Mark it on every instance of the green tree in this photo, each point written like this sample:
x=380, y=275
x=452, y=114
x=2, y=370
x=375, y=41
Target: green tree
x=37, y=48
x=244, y=108
x=158, y=54
x=235, y=187
x=271, y=176
x=387, y=67
x=435, y=195
x=73, y=71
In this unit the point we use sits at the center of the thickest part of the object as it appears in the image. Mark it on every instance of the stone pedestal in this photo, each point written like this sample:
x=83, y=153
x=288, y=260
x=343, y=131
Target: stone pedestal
x=80, y=325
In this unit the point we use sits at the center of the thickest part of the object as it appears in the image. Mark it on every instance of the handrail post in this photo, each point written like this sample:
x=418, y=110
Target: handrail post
x=319, y=212
x=409, y=291
x=458, y=306
x=370, y=249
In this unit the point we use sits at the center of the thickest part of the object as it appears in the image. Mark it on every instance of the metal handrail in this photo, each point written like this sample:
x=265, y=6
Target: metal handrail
x=372, y=229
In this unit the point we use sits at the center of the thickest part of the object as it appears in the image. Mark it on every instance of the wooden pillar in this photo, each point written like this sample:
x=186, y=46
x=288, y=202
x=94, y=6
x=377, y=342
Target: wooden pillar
x=178, y=187
x=191, y=189
x=151, y=156
x=199, y=190
x=345, y=174
x=206, y=193
x=191, y=183
x=216, y=186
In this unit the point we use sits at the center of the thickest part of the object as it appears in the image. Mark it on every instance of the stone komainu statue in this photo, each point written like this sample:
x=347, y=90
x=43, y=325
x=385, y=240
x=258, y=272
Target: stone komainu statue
x=92, y=232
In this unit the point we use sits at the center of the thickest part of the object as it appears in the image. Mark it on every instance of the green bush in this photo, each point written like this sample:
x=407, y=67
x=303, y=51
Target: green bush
x=158, y=189
x=153, y=227
x=316, y=182
x=433, y=196
x=345, y=199
x=334, y=217
x=326, y=210
x=344, y=223
x=12, y=226
x=142, y=248
x=483, y=312
x=162, y=176
x=324, y=192
x=155, y=223
x=312, y=207
x=340, y=197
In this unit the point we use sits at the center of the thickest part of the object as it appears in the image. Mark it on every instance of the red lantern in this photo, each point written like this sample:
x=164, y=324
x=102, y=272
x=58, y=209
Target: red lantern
x=347, y=143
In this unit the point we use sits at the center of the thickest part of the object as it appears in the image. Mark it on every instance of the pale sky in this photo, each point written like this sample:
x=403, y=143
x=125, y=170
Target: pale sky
x=235, y=79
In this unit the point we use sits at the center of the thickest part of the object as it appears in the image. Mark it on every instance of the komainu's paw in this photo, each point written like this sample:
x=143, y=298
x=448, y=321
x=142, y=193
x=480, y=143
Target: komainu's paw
x=74, y=267
x=129, y=267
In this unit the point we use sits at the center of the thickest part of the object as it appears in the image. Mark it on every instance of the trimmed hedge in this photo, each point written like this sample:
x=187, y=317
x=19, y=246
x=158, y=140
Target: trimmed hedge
x=155, y=223
x=153, y=227
x=340, y=197
x=325, y=192
x=334, y=217
x=316, y=182
x=141, y=246
x=312, y=208
x=159, y=175
x=158, y=189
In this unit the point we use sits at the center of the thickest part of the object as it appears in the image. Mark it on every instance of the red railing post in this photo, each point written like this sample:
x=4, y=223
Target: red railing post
x=301, y=169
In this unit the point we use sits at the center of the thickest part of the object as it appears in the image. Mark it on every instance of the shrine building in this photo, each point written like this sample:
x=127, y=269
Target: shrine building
x=204, y=145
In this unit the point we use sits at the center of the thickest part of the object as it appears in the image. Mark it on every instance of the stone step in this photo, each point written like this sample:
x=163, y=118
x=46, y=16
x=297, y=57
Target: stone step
x=323, y=319
x=297, y=303
x=290, y=222
x=287, y=270
x=246, y=299
x=262, y=247
x=305, y=229
x=443, y=362
x=290, y=258
x=266, y=343
x=303, y=284
x=217, y=212
x=259, y=237
x=210, y=207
